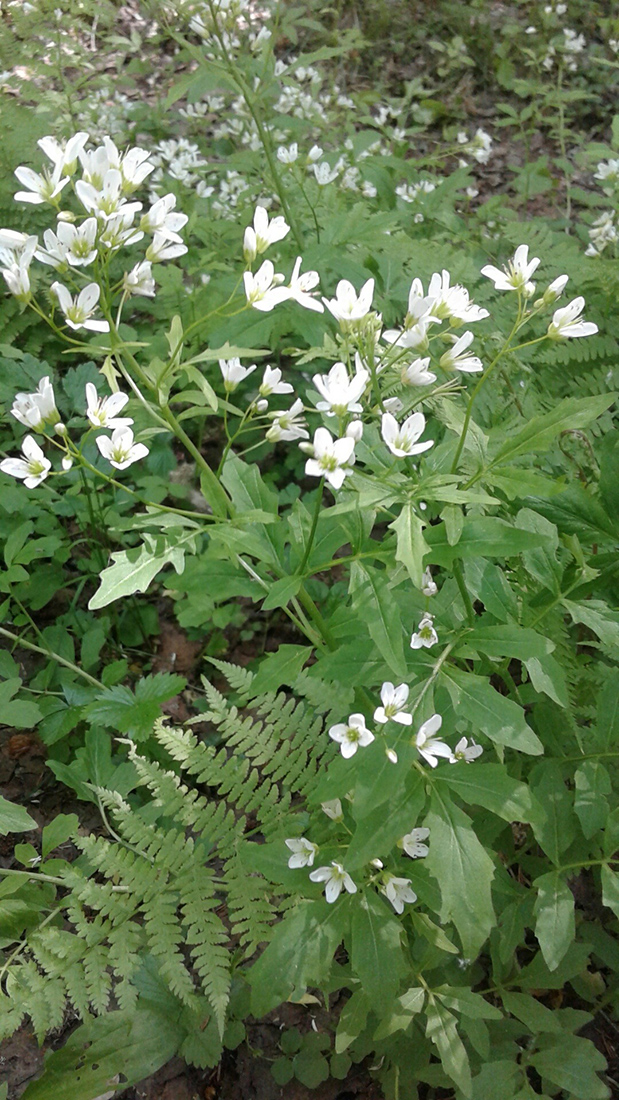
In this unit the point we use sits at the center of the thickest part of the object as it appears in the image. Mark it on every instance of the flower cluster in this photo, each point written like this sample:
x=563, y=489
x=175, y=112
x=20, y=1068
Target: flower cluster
x=103, y=219
x=37, y=411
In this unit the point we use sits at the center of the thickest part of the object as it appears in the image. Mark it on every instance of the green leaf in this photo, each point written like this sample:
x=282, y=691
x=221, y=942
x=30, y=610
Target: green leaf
x=531, y=1012
x=400, y=1016
x=539, y=433
x=499, y=718
x=557, y=829
x=598, y=617
x=311, y=1068
x=541, y=561
x=135, y=713
x=548, y=677
x=464, y=872
x=352, y=1020
x=20, y=713
x=58, y=831
x=467, y=1003
x=608, y=713
x=14, y=819
x=571, y=1063
x=134, y=570
x=134, y=1042
x=577, y=512
x=481, y=538
x=487, y=582
x=441, y=1029
x=411, y=545
x=376, y=955
x=377, y=606
x=432, y=933
x=490, y=786
x=299, y=954
x=555, y=927
x=279, y=668
x=610, y=889
x=281, y=592
x=508, y=640
x=592, y=783
x=376, y=832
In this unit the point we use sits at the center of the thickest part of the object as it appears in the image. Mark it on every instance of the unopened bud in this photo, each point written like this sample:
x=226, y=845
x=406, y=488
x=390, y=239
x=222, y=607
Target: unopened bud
x=355, y=430
x=306, y=447
x=60, y=428
x=262, y=405
x=249, y=245
x=391, y=755
x=66, y=216
x=67, y=462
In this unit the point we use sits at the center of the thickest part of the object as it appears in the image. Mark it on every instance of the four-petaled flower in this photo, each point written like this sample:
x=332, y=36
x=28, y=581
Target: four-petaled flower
x=401, y=439
x=566, y=322
x=466, y=752
x=234, y=372
x=457, y=359
x=303, y=852
x=393, y=701
x=425, y=634
x=340, y=393
x=140, y=280
x=38, y=408
x=288, y=424
x=417, y=373
x=348, y=306
x=332, y=809
x=352, y=734
x=263, y=233
x=264, y=290
x=120, y=450
x=398, y=891
x=427, y=745
x=412, y=843
x=32, y=469
x=42, y=188
x=331, y=457
x=101, y=411
x=335, y=878
x=301, y=286
x=517, y=274
x=272, y=383
x=78, y=311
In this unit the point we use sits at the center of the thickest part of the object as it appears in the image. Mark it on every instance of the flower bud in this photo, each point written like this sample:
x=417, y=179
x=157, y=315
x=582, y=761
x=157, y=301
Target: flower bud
x=250, y=248
x=355, y=430
x=307, y=448
x=66, y=216
x=391, y=755
x=67, y=462
x=60, y=428
x=262, y=405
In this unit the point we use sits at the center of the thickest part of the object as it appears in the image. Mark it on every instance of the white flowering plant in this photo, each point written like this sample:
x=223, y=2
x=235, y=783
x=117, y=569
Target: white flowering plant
x=403, y=812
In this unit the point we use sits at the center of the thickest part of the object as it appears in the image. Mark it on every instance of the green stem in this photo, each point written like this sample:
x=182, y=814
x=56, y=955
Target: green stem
x=54, y=657
x=312, y=533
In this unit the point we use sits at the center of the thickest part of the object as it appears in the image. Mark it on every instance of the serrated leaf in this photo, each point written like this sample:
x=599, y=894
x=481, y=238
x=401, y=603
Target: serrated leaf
x=134, y=570
x=441, y=1030
x=299, y=954
x=501, y=720
x=411, y=545
x=572, y=1063
x=135, y=712
x=377, y=606
x=490, y=786
x=376, y=954
x=540, y=431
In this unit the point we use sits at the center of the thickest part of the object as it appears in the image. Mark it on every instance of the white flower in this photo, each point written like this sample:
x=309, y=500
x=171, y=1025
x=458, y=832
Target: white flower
x=415, y=336
x=426, y=634
x=43, y=188
x=78, y=312
x=428, y=587
x=64, y=157
x=70, y=244
x=330, y=457
x=427, y=745
x=608, y=171
x=481, y=146
x=351, y=735
x=393, y=701
x=452, y=302
x=263, y=233
x=102, y=411
x=106, y=200
x=300, y=287
x=456, y=359
x=139, y=280
x=303, y=852
x=334, y=878
x=272, y=383
x=288, y=424
x=135, y=167
x=417, y=373
x=314, y=154
x=347, y=306
x=32, y=469
x=412, y=843
x=162, y=219
x=398, y=891
x=119, y=230
x=233, y=372
x=160, y=249
x=393, y=405
x=566, y=324
x=263, y=290
x=324, y=173
x=120, y=450
x=333, y=809
x=466, y=752
x=34, y=409
x=19, y=258
x=402, y=439
x=341, y=394
x=517, y=274
x=355, y=430
x=288, y=155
